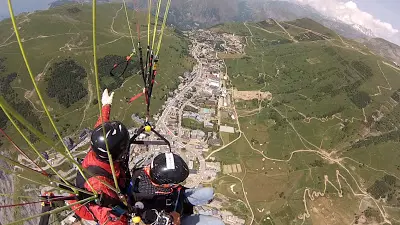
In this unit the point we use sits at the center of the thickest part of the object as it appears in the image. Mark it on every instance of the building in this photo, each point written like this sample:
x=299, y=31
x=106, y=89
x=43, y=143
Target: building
x=191, y=164
x=192, y=171
x=229, y=218
x=227, y=129
x=214, y=142
x=214, y=166
x=207, y=111
x=207, y=91
x=213, y=84
x=198, y=134
x=84, y=134
x=69, y=143
x=208, y=124
x=137, y=119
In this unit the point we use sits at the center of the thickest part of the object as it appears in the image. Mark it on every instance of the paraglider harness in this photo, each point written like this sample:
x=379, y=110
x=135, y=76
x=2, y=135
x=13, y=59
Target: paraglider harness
x=169, y=199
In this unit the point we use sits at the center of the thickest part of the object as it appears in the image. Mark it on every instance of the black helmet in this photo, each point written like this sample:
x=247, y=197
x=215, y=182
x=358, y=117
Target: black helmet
x=168, y=168
x=117, y=139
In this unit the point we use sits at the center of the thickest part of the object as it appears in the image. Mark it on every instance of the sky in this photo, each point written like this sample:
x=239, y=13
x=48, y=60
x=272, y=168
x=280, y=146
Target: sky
x=379, y=16
x=382, y=17
x=23, y=6
x=385, y=10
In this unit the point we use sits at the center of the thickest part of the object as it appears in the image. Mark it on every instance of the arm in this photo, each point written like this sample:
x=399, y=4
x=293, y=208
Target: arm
x=104, y=216
x=106, y=115
x=106, y=101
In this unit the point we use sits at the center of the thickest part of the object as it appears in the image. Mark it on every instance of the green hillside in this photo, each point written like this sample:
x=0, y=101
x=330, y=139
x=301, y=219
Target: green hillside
x=330, y=128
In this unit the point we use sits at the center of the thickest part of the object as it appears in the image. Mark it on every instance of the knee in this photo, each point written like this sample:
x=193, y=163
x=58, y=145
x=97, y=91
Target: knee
x=207, y=192
x=218, y=222
x=209, y=220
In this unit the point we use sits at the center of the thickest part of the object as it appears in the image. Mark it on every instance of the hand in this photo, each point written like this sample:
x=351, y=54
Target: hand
x=107, y=99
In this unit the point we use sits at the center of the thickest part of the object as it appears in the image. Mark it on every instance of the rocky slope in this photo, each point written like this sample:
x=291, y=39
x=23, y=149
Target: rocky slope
x=384, y=48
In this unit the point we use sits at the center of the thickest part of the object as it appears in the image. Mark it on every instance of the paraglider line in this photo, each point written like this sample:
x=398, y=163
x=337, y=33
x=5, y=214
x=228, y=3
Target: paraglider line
x=96, y=73
x=23, y=153
x=34, y=83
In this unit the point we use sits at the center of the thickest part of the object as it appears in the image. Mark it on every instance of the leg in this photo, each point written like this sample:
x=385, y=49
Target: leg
x=201, y=220
x=199, y=196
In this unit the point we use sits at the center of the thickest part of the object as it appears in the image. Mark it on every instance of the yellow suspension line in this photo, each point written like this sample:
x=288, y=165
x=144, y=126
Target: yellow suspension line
x=35, y=85
x=17, y=116
x=148, y=23
x=33, y=147
x=57, y=210
x=129, y=26
x=42, y=175
x=163, y=26
x=12, y=195
x=34, y=181
x=98, y=93
x=156, y=22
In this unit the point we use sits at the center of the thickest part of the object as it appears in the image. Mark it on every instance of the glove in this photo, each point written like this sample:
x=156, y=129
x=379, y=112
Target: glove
x=107, y=99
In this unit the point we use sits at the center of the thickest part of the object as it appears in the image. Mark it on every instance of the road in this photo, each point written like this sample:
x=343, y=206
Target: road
x=161, y=123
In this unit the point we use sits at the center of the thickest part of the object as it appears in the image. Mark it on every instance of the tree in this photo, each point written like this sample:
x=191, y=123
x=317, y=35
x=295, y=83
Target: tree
x=64, y=82
x=95, y=101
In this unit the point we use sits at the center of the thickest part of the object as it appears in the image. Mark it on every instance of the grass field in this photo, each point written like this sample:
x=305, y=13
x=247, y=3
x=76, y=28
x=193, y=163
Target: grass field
x=303, y=143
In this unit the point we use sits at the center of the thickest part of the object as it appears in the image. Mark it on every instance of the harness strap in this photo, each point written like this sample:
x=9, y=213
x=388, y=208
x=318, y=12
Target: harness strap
x=96, y=171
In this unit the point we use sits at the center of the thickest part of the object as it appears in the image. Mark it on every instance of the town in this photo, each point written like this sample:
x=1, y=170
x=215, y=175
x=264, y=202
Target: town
x=193, y=116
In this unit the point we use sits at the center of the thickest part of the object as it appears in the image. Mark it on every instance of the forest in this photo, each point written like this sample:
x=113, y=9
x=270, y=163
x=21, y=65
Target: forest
x=390, y=136
x=386, y=188
x=2, y=66
x=309, y=36
x=65, y=82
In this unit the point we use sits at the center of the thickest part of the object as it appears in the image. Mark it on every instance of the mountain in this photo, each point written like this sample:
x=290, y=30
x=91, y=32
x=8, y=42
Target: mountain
x=188, y=15
x=206, y=13
x=345, y=30
x=384, y=48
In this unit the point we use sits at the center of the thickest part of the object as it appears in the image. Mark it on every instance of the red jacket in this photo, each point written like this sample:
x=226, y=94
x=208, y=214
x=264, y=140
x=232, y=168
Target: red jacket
x=92, y=211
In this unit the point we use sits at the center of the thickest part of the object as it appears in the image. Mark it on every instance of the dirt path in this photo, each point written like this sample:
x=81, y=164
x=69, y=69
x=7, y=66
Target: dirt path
x=250, y=95
x=389, y=87
x=393, y=67
x=290, y=36
x=29, y=93
x=90, y=98
x=251, y=33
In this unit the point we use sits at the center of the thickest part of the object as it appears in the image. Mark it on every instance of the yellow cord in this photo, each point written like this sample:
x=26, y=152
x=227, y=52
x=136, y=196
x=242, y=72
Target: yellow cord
x=54, y=211
x=156, y=22
x=33, y=147
x=163, y=26
x=96, y=73
x=148, y=23
x=129, y=26
x=42, y=137
x=35, y=85
x=31, y=180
